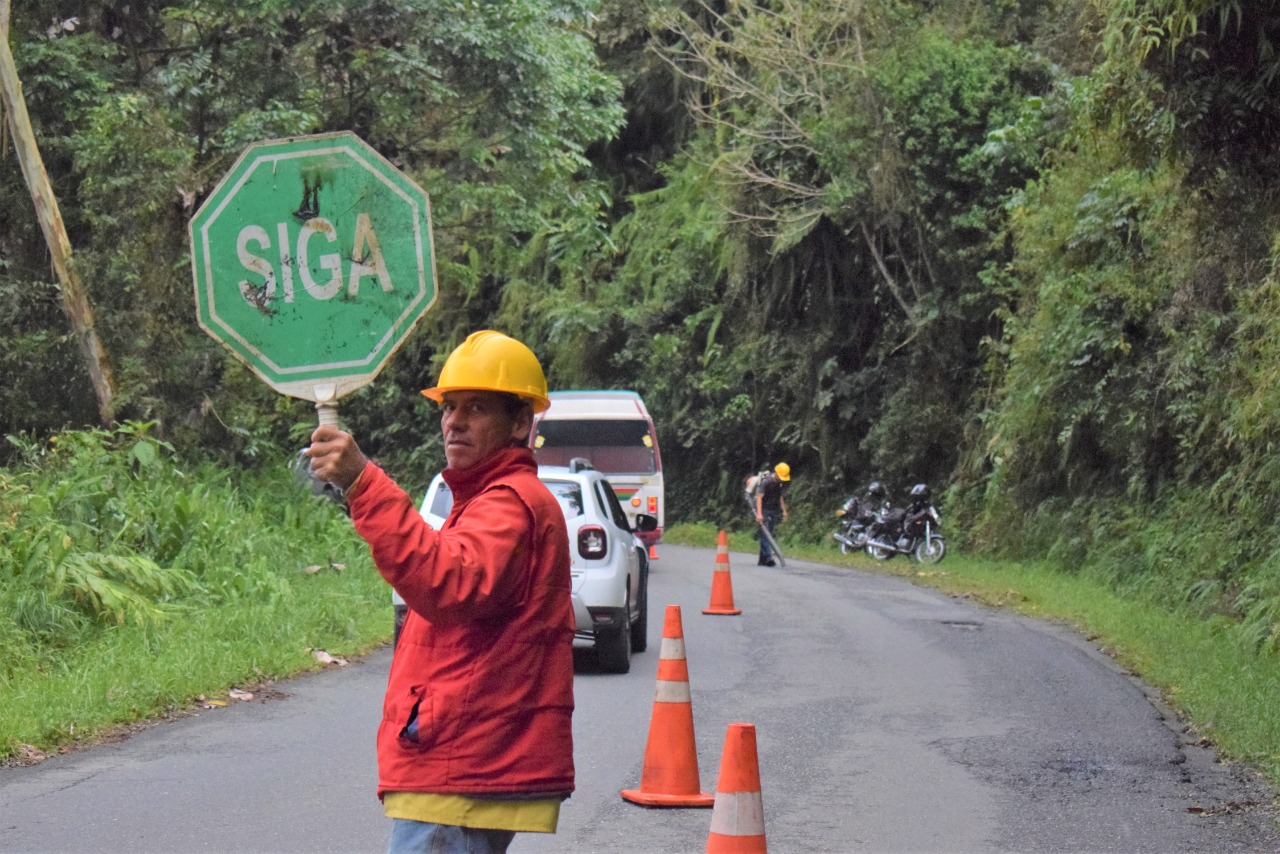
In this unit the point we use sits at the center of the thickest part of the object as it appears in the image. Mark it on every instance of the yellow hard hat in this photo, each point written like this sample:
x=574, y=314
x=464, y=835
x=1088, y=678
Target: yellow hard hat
x=783, y=471
x=491, y=361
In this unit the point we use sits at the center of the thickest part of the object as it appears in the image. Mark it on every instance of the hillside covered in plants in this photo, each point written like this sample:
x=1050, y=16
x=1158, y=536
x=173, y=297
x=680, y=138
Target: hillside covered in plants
x=1023, y=251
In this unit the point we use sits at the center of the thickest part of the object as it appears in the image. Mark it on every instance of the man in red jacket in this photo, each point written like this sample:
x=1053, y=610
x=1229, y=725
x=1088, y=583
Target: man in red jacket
x=475, y=742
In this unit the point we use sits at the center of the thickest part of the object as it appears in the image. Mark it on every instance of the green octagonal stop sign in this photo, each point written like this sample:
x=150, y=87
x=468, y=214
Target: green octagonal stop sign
x=312, y=262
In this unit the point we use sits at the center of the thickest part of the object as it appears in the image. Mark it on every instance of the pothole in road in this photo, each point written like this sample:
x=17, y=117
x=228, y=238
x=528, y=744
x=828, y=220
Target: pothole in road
x=1080, y=769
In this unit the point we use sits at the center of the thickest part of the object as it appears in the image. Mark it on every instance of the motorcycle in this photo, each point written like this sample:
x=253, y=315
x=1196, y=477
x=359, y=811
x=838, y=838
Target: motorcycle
x=911, y=530
x=856, y=516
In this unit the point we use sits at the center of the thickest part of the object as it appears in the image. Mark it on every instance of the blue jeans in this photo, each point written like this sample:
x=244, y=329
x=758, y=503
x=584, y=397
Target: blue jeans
x=771, y=524
x=420, y=837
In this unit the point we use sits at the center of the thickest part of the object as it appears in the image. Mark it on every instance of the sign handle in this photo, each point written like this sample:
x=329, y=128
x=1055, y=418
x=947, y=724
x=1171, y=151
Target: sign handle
x=326, y=405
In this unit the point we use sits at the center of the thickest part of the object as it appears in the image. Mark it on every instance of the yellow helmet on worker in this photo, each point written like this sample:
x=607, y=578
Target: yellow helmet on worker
x=491, y=361
x=783, y=471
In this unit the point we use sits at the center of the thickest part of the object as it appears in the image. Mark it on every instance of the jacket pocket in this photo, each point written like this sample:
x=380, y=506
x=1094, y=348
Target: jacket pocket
x=416, y=720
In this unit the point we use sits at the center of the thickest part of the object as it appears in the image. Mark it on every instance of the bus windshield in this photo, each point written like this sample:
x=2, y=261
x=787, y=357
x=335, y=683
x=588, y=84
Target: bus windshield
x=613, y=446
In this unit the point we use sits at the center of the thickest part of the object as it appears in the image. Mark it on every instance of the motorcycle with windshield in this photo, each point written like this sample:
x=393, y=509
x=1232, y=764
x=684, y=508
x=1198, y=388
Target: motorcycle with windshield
x=912, y=530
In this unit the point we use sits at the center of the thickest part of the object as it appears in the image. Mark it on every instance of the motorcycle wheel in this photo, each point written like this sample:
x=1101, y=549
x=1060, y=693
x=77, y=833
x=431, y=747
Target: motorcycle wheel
x=845, y=548
x=879, y=553
x=931, y=550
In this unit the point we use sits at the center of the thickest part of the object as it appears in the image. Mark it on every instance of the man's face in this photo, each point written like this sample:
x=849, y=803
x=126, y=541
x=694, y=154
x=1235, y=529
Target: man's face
x=476, y=425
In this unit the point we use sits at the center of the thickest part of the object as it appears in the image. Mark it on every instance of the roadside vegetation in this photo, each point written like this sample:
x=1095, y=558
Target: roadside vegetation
x=134, y=586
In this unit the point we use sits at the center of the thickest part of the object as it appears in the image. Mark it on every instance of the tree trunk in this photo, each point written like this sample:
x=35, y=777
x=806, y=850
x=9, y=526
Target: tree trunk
x=75, y=300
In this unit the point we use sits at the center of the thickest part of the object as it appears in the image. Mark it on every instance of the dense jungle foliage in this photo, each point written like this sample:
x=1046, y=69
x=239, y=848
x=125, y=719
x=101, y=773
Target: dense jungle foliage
x=1022, y=250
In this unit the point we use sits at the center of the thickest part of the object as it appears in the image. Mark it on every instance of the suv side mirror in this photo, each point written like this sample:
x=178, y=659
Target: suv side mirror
x=646, y=523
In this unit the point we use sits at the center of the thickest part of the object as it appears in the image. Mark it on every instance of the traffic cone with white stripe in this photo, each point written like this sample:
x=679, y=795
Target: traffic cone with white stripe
x=722, y=582
x=737, y=821
x=670, y=774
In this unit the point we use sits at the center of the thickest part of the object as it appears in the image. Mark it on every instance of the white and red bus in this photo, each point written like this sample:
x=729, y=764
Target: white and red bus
x=613, y=431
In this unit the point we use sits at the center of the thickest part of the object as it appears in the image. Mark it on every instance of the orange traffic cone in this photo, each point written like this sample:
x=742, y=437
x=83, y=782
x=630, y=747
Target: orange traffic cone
x=653, y=552
x=737, y=822
x=670, y=774
x=722, y=582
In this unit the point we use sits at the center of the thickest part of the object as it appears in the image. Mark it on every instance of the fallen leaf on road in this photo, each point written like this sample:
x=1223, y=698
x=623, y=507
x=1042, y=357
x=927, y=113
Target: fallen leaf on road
x=1230, y=808
x=237, y=694
x=28, y=754
x=325, y=658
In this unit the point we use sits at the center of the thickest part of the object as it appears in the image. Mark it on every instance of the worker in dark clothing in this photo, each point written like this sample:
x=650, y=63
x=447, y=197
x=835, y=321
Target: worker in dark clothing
x=771, y=508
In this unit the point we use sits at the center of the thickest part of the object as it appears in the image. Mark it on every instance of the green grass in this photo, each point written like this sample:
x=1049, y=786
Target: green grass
x=131, y=673
x=1224, y=690
x=131, y=586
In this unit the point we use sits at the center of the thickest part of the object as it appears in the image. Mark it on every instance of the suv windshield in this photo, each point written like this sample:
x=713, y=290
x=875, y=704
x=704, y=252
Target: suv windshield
x=613, y=446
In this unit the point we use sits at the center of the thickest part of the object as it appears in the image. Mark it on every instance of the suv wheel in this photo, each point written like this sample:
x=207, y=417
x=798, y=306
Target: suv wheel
x=613, y=645
x=640, y=628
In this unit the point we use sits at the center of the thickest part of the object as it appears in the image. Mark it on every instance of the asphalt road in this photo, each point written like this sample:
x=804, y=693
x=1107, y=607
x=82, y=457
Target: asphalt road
x=889, y=718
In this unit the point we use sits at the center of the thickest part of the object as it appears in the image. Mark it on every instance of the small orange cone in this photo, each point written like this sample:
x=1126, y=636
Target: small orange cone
x=653, y=552
x=722, y=582
x=737, y=822
x=670, y=774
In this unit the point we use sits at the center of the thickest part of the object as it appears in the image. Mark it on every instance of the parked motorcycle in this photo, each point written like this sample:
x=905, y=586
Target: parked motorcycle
x=856, y=516
x=911, y=530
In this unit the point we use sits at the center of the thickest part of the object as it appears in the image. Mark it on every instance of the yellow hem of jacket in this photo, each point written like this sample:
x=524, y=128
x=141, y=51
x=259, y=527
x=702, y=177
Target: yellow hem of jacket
x=534, y=816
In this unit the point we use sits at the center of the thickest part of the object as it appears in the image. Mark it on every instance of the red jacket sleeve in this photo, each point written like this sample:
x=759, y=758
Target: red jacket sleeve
x=473, y=569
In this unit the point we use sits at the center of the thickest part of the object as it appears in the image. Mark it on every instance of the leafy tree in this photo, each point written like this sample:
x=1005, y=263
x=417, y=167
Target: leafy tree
x=806, y=284
x=142, y=107
x=1129, y=425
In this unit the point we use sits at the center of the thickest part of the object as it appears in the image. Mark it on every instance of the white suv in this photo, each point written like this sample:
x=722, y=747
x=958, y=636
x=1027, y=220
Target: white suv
x=608, y=563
